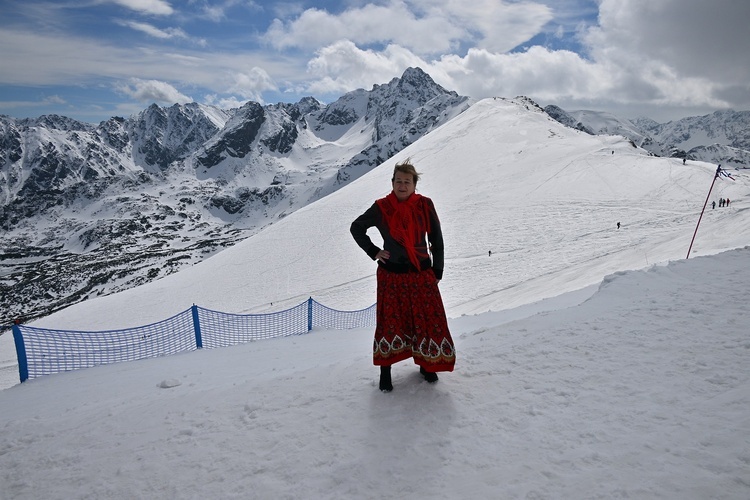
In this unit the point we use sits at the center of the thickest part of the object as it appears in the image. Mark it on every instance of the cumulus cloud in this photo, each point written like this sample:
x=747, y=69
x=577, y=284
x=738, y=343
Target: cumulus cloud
x=696, y=38
x=342, y=66
x=251, y=84
x=422, y=26
x=371, y=24
x=483, y=73
x=671, y=53
x=688, y=52
x=153, y=91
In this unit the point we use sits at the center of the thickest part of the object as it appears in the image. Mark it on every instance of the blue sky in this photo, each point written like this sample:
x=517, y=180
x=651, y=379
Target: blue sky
x=93, y=59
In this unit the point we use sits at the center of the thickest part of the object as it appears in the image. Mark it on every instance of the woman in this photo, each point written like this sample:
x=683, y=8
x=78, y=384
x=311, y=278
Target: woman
x=411, y=319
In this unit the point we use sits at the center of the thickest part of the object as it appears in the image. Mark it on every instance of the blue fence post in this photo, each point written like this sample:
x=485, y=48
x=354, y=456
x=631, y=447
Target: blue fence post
x=197, y=326
x=23, y=364
x=309, y=314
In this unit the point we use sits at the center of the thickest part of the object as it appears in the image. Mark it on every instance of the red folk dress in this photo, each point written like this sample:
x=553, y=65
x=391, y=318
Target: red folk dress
x=411, y=321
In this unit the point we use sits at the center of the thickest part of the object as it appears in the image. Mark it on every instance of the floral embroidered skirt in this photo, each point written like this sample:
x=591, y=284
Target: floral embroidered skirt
x=411, y=322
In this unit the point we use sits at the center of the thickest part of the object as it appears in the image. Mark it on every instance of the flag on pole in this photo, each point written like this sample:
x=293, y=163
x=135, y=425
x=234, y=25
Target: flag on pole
x=720, y=172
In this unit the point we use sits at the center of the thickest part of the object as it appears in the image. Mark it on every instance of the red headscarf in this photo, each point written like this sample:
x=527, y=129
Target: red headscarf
x=407, y=221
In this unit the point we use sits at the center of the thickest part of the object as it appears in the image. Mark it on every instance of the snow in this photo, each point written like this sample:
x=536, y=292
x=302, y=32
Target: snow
x=592, y=362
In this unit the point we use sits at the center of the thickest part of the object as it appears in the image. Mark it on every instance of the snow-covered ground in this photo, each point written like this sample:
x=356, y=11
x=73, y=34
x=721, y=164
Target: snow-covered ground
x=575, y=378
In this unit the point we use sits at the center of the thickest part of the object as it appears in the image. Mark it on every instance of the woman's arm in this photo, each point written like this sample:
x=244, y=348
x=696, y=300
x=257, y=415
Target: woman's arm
x=435, y=237
x=359, y=231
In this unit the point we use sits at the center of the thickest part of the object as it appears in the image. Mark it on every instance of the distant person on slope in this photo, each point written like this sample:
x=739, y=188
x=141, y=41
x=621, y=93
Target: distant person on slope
x=411, y=320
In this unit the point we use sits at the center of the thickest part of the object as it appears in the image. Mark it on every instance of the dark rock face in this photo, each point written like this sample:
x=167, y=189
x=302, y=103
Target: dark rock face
x=237, y=138
x=561, y=116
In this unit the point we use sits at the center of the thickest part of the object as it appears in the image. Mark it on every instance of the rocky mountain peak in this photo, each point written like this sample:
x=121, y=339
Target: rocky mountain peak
x=414, y=86
x=308, y=105
x=161, y=136
x=416, y=82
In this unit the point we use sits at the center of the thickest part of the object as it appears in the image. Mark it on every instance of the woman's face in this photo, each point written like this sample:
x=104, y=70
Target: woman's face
x=403, y=185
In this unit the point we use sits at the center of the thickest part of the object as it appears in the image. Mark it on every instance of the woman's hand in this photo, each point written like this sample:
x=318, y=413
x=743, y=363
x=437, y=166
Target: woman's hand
x=383, y=255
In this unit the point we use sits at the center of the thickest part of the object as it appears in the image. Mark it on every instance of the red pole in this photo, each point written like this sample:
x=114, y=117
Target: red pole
x=704, y=209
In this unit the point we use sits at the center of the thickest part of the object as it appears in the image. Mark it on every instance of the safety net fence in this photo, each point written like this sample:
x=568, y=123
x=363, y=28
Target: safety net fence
x=43, y=351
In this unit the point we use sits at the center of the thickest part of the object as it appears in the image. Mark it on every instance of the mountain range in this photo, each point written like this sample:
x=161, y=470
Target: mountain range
x=722, y=137
x=89, y=210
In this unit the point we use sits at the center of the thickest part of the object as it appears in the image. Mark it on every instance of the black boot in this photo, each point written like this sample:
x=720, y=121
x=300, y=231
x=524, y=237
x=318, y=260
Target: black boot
x=430, y=377
x=385, y=379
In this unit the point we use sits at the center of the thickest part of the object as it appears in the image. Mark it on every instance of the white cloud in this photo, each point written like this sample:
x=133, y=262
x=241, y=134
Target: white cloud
x=217, y=12
x=153, y=30
x=54, y=99
x=422, y=26
x=551, y=76
x=223, y=102
x=251, y=84
x=634, y=57
x=368, y=25
x=44, y=59
x=157, y=7
x=688, y=52
x=342, y=66
x=162, y=34
x=499, y=26
x=537, y=72
x=697, y=38
x=46, y=101
x=153, y=91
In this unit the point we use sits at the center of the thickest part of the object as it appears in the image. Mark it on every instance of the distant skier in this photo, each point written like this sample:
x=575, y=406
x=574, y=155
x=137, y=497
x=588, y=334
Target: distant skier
x=618, y=225
x=490, y=253
x=713, y=205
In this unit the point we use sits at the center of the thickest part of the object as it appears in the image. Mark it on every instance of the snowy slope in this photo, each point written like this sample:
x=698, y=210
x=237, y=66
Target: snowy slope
x=505, y=177
x=642, y=391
